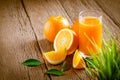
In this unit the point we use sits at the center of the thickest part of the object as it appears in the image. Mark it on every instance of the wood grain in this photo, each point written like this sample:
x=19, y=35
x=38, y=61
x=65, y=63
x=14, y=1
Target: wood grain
x=111, y=8
x=17, y=43
x=21, y=34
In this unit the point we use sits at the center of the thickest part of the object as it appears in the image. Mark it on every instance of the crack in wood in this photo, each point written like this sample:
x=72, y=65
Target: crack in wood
x=64, y=10
x=22, y=2
x=28, y=74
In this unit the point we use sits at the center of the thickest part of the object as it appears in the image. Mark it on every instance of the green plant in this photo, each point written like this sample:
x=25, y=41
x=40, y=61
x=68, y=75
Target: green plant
x=105, y=65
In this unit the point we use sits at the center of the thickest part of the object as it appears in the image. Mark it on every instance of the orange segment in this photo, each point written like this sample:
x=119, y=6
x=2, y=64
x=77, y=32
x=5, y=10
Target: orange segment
x=66, y=38
x=78, y=61
x=55, y=57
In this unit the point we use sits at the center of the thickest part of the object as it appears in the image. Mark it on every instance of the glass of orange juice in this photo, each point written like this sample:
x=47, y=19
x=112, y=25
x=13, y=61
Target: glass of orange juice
x=90, y=32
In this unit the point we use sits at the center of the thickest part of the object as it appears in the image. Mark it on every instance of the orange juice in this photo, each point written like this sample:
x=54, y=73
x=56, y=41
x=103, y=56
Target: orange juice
x=90, y=34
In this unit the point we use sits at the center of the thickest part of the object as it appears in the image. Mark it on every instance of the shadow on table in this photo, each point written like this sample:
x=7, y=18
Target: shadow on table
x=45, y=45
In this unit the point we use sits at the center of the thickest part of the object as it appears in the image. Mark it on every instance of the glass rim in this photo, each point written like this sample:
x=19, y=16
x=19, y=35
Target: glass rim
x=99, y=16
x=96, y=11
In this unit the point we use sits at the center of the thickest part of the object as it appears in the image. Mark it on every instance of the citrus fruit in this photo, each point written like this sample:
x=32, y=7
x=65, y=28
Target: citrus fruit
x=55, y=57
x=75, y=27
x=78, y=61
x=53, y=25
x=66, y=38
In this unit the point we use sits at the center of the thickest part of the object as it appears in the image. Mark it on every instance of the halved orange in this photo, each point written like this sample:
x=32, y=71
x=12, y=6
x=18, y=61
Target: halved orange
x=78, y=61
x=66, y=38
x=55, y=57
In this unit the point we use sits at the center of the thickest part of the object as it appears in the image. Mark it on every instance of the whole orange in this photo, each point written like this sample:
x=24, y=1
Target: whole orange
x=53, y=25
x=75, y=27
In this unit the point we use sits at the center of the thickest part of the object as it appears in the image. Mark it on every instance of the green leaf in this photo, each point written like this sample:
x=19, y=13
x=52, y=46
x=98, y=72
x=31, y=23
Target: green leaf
x=55, y=72
x=31, y=62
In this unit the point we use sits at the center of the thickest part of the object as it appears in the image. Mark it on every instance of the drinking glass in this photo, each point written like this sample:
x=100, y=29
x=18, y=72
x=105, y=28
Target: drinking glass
x=90, y=32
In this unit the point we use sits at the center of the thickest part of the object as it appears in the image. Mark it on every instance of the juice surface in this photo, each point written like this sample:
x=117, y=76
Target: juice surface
x=90, y=34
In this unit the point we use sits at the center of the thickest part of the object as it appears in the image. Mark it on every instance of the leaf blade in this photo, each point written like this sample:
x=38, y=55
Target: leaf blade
x=31, y=62
x=54, y=72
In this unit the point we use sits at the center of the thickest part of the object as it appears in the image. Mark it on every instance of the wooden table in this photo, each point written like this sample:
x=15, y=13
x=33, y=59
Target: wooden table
x=21, y=34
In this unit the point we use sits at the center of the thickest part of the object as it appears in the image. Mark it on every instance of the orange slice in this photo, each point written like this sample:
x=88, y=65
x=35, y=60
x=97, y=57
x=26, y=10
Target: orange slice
x=66, y=38
x=54, y=57
x=78, y=61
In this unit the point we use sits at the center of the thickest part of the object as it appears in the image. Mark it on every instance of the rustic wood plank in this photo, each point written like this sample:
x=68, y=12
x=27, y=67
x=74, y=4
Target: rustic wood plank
x=111, y=8
x=17, y=43
x=18, y=36
x=38, y=13
x=74, y=7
